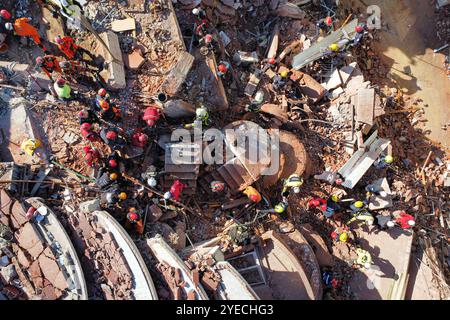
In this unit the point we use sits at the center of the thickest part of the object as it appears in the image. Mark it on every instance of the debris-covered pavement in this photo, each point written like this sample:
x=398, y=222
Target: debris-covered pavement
x=195, y=150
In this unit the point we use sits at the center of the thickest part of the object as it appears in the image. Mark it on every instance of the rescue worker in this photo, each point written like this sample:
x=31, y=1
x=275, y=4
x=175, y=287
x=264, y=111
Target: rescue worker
x=134, y=218
x=72, y=70
x=217, y=186
x=62, y=90
x=360, y=31
x=364, y=258
x=150, y=176
x=87, y=133
x=340, y=234
x=112, y=139
x=294, y=182
x=102, y=94
x=404, y=220
x=175, y=191
x=114, y=196
x=4, y=16
x=199, y=13
x=91, y=155
x=325, y=25
x=332, y=206
x=113, y=162
x=139, y=139
x=223, y=68
x=255, y=104
x=281, y=207
x=201, y=118
x=71, y=50
x=22, y=28
x=383, y=162
x=88, y=116
x=48, y=64
x=151, y=116
x=360, y=213
x=68, y=8
x=252, y=194
x=317, y=203
x=33, y=147
x=280, y=80
x=109, y=112
x=208, y=41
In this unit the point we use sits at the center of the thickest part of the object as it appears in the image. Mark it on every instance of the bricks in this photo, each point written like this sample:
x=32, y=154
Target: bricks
x=30, y=240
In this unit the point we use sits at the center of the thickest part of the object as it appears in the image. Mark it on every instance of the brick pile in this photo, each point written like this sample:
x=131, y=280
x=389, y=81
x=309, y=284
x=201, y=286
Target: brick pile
x=30, y=269
x=106, y=269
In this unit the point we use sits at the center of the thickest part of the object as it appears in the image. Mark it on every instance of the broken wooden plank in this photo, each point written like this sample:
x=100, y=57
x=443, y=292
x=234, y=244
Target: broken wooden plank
x=116, y=71
x=273, y=48
x=178, y=74
x=123, y=25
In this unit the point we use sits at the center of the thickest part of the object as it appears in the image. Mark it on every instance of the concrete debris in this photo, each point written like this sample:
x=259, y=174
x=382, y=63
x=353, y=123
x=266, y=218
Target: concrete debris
x=224, y=149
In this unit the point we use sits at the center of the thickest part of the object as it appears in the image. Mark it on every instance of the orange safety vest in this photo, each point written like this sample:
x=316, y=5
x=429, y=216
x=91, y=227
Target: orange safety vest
x=68, y=47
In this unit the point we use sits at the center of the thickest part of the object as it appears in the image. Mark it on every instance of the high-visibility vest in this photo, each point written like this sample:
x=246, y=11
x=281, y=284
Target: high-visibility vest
x=64, y=92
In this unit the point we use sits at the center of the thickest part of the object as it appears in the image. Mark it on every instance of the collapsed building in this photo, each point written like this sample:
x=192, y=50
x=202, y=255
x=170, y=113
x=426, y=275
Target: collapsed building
x=329, y=124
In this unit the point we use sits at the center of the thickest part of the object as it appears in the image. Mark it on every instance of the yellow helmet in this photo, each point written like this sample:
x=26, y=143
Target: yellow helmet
x=284, y=74
x=280, y=208
x=389, y=159
x=334, y=47
x=122, y=196
x=335, y=198
x=343, y=237
x=359, y=204
x=113, y=176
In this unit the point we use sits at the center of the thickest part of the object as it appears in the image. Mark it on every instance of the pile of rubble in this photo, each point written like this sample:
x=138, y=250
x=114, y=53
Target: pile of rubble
x=302, y=72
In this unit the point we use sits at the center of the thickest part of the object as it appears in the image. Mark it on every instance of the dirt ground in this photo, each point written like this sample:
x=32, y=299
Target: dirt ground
x=406, y=47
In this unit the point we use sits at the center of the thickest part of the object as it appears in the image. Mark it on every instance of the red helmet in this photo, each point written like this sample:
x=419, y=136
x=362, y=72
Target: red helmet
x=359, y=28
x=271, y=61
x=112, y=163
x=86, y=126
x=222, y=68
x=39, y=61
x=254, y=197
x=329, y=21
x=316, y=202
x=208, y=38
x=102, y=92
x=143, y=138
x=86, y=149
x=111, y=135
x=60, y=82
x=59, y=40
x=88, y=156
x=323, y=207
x=5, y=14
x=133, y=216
x=83, y=114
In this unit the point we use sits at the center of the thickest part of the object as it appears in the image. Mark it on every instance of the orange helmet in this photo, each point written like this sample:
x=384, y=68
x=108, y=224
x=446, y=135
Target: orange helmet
x=104, y=104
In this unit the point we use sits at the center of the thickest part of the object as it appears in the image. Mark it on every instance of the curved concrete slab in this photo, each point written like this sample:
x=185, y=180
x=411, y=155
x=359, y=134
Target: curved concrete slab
x=233, y=286
x=142, y=286
x=164, y=253
x=57, y=238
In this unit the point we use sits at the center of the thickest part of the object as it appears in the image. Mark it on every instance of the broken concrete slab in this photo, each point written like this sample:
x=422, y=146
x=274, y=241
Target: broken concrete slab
x=341, y=76
x=361, y=161
x=116, y=77
x=178, y=74
x=123, y=25
x=320, y=49
x=290, y=10
x=364, y=103
x=308, y=85
x=178, y=109
x=377, y=201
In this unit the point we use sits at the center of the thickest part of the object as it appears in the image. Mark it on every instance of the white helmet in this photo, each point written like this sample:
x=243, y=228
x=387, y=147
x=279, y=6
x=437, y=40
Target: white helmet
x=412, y=223
x=383, y=194
x=152, y=182
x=201, y=112
x=367, y=265
x=369, y=222
x=109, y=197
x=195, y=11
x=167, y=195
x=390, y=224
x=9, y=26
x=296, y=189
